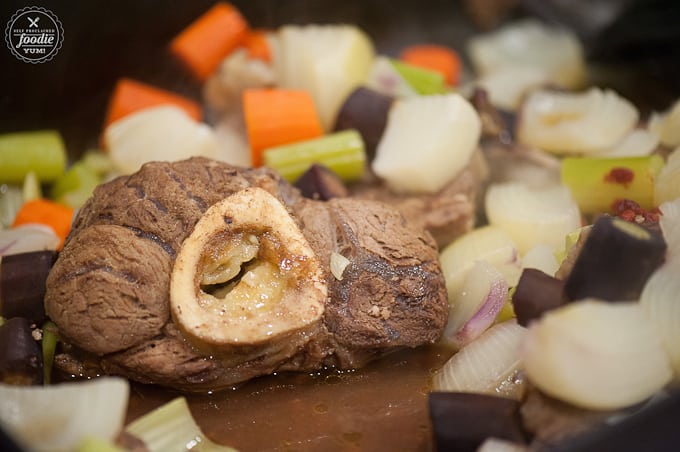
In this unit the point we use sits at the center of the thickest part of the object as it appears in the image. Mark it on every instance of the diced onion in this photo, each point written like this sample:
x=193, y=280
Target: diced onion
x=475, y=307
x=58, y=417
x=27, y=238
x=659, y=297
x=485, y=365
x=338, y=265
x=576, y=123
x=596, y=355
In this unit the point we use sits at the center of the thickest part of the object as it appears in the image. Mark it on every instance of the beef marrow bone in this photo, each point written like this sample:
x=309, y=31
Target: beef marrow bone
x=246, y=276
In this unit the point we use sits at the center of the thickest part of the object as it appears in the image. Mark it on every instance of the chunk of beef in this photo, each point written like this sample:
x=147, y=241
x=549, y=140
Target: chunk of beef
x=109, y=290
x=446, y=214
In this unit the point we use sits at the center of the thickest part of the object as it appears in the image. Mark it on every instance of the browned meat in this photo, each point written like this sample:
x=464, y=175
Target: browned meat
x=109, y=290
x=447, y=214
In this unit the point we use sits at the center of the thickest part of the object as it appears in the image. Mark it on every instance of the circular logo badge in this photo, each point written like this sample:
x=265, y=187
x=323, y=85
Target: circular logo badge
x=34, y=35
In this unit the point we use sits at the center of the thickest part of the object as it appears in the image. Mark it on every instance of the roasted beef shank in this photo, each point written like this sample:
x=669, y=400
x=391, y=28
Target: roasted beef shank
x=110, y=290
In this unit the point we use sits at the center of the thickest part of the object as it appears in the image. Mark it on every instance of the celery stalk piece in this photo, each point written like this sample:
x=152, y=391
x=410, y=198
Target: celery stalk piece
x=595, y=183
x=40, y=151
x=343, y=152
x=76, y=185
x=171, y=427
x=423, y=81
x=97, y=162
x=50, y=338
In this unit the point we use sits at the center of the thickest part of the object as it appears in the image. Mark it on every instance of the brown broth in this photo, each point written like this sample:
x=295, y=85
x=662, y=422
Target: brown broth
x=380, y=407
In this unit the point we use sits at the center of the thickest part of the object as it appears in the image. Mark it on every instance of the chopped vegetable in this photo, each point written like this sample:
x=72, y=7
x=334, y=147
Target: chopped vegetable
x=278, y=116
x=130, y=96
x=341, y=152
x=31, y=188
x=532, y=216
x=384, y=78
x=438, y=58
x=667, y=182
x=58, y=417
x=320, y=182
x=163, y=133
x=257, y=45
x=530, y=44
x=659, y=297
x=667, y=125
x=22, y=284
x=366, y=111
x=475, y=307
x=541, y=257
x=536, y=293
x=50, y=338
x=508, y=86
x=576, y=123
x=595, y=183
x=488, y=243
x=27, y=238
x=171, y=427
x=42, y=152
x=423, y=81
x=596, y=355
x=427, y=143
x=616, y=260
x=20, y=358
x=11, y=199
x=75, y=186
x=43, y=211
x=488, y=365
x=209, y=39
x=475, y=418
x=328, y=61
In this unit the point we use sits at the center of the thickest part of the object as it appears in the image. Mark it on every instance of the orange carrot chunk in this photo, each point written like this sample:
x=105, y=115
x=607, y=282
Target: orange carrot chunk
x=435, y=57
x=257, y=45
x=43, y=211
x=206, y=41
x=130, y=96
x=278, y=116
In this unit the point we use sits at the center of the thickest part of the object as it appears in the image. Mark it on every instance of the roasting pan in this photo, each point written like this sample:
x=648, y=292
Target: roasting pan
x=637, y=49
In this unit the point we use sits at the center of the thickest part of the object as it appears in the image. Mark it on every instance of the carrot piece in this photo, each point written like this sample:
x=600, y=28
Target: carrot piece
x=278, y=116
x=50, y=213
x=436, y=57
x=257, y=45
x=130, y=96
x=205, y=42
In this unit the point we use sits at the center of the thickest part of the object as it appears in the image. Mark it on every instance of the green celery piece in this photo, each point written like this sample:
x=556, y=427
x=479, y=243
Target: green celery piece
x=593, y=183
x=40, y=151
x=76, y=185
x=97, y=162
x=423, y=81
x=171, y=427
x=343, y=152
x=50, y=338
